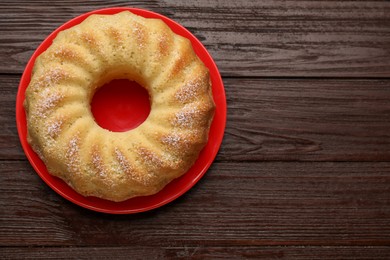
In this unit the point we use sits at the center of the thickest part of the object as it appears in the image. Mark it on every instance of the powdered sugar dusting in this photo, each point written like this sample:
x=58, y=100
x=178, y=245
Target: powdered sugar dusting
x=48, y=102
x=63, y=52
x=186, y=117
x=116, y=35
x=172, y=140
x=189, y=91
x=88, y=38
x=122, y=161
x=54, y=128
x=163, y=45
x=150, y=158
x=129, y=170
x=72, y=154
x=177, y=141
x=52, y=77
x=139, y=32
x=98, y=162
x=91, y=40
x=101, y=169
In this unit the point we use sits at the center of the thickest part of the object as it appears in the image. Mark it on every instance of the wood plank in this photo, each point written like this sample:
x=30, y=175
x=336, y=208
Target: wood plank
x=313, y=120
x=319, y=120
x=201, y=252
x=9, y=141
x=235, y=204
x=246, y=38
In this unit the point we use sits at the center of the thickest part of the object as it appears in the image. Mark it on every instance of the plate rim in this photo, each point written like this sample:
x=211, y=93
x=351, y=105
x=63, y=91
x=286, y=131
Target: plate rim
x=221, y=108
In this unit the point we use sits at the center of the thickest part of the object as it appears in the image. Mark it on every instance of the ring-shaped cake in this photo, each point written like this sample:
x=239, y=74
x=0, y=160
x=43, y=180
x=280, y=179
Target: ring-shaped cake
x=118, y=165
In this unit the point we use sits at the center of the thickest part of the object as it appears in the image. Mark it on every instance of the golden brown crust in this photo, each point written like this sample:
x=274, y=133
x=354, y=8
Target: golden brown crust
x=111, y=165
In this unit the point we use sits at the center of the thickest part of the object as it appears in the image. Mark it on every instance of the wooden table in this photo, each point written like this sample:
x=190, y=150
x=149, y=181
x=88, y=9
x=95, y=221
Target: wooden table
x=304, y=168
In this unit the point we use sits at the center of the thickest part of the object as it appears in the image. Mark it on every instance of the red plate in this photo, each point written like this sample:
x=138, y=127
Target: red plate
x=174, y=189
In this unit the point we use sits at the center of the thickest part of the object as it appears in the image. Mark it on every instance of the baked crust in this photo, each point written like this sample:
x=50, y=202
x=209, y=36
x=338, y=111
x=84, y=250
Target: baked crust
x=118, y=165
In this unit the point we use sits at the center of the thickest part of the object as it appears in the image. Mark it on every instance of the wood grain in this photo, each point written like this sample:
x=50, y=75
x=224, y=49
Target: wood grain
x=304, y=168
x=286, y=119
x=246, y=38
x=318, y=120
x=202, y=252
x=235, y=204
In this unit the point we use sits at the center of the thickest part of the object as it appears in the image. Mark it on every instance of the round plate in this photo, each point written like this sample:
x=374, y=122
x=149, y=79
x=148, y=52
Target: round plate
x=174, y=189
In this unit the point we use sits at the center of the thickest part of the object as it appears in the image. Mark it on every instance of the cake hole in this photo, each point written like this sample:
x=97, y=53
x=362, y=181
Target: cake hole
x=120, y=105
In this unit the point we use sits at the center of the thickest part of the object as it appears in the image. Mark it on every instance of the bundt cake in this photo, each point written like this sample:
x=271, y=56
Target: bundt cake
x=118, y=165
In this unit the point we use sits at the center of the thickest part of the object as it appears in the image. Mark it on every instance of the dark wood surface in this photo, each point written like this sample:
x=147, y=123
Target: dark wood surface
x=304, y=168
